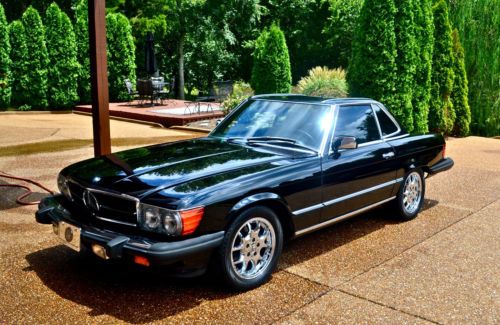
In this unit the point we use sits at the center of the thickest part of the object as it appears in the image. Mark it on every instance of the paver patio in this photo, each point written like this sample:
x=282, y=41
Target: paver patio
x=442, y=267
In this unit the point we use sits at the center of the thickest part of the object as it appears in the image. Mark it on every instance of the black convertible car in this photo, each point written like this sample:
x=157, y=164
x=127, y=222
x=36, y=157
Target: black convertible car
x=278, y=167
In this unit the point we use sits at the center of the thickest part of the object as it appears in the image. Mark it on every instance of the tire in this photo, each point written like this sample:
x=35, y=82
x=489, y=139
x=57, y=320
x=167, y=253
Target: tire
x=411, y=195
x=256, y=253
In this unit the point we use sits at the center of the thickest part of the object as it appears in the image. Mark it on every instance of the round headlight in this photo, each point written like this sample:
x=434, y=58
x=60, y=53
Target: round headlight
x=152, y=219
x=172, y=222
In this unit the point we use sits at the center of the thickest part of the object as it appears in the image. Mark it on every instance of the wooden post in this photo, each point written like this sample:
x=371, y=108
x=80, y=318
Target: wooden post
x=99, y=77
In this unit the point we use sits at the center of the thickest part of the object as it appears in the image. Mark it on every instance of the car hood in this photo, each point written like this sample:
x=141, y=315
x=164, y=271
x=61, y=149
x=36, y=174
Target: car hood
x=143, y=171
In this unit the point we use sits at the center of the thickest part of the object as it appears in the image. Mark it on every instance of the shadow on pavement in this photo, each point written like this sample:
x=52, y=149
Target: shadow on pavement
x=139, y=295
x=8, y=196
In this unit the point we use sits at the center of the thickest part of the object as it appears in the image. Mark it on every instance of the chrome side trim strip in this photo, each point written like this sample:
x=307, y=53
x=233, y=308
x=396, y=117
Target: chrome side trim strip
x=371, y=189
x=340, y=218
x=347, y=197
x=310, y=208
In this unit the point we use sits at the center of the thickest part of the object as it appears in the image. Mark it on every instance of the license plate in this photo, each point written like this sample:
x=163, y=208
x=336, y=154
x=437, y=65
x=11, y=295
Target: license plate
x=69, y=234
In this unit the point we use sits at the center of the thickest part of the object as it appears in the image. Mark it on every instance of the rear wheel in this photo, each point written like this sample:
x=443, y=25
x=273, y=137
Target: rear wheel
x=251, y=248
x=411, y=195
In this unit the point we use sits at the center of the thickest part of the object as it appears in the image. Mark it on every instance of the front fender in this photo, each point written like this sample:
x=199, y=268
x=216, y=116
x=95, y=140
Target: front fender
x=252, y=199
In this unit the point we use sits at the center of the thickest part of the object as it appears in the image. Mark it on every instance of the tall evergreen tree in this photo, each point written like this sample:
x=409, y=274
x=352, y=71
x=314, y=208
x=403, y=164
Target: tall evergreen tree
x=36, y=59
x=441, y=112
x=424, y=32
x=5, y=62
x=63, y=67
x=82, y=45
x=121, y=55
x=460, y=92
x=372, y=70
x=19, y=68
x=271, y=72
x=405, y=63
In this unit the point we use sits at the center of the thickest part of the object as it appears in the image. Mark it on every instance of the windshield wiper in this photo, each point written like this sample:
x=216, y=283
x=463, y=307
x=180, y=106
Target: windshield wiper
x=278, y=141
x=269, y=139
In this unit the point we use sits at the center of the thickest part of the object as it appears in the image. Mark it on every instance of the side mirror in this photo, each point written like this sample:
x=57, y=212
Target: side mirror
x=344, y=143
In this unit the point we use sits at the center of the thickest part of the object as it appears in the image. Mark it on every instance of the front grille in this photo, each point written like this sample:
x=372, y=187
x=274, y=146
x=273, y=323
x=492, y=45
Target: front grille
x=105, y=206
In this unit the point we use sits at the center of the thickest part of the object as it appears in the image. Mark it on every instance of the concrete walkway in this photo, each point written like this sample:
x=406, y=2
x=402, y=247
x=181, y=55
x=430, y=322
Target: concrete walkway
x=443, y=267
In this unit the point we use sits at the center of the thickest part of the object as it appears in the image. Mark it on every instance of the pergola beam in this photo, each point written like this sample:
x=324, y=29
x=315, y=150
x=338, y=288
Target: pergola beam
x=99, y=77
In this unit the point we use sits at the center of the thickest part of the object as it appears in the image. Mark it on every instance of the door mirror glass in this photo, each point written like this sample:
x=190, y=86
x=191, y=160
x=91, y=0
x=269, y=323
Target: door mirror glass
x=344, y=143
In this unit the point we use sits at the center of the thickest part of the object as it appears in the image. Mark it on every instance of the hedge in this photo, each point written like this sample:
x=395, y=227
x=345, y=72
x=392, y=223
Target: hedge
x=271, y=72
x=441, y=112
x=35, y=59
x=19, y=68
x=5, y=62
x=121, y=56
x=459, y=95
x=63, y=68
x=372, y=70
x=424, y=36
x=82, y=45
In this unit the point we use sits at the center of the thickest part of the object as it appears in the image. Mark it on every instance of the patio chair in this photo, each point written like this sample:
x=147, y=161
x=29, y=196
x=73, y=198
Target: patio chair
x=130, y=90
x=146, y=91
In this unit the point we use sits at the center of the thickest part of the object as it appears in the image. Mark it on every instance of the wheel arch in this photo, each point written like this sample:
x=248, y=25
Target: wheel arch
x=272, y=201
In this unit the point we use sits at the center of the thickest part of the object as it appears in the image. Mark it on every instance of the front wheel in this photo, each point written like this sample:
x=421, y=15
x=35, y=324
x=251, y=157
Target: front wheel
x=251, y=248
x=411, y=195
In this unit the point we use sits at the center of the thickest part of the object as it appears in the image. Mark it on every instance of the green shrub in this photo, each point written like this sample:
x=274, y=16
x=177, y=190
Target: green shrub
x=424, y=35
x=5, y=62
x=460, y=92
x=121, y=56
x=441, y=112
x=24, y=107
x=241, y=91
x=82, y=45
x=36, y=59
x=406, y=45
x=372, y=70
x=271, y=63
x=324, y=82
x=19, y=68
x=63, y=67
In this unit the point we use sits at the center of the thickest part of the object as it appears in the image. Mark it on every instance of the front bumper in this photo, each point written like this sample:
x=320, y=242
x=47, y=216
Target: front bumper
x=120, y=246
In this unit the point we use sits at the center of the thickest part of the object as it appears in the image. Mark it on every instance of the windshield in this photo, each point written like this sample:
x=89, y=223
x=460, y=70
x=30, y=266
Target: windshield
x=269, y=120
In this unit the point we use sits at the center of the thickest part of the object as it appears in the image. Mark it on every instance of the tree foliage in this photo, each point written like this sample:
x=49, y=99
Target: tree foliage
x=340, y=28
x=19, y=68
x=121, y=55
x=82, y=46
x=372, y=70
x=36, y=59
x=424, y=37
x=441, y=112
x=478, y=23
x=406, y=44
x=63, y=67
x=459, y=95
x=271, y=67
x=5, y=62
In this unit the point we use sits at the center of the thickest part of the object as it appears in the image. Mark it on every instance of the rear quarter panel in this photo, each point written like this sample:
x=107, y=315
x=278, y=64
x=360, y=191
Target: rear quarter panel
x=420, y=151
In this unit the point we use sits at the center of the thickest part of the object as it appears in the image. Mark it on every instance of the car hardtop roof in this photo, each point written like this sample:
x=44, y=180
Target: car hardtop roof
x=297, y=98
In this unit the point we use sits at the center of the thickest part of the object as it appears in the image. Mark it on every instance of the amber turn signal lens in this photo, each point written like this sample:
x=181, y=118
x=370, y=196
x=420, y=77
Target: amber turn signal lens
x=190, y=220
x=141, y=260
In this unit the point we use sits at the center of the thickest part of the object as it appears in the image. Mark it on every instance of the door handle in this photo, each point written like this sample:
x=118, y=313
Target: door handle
x=388, y=155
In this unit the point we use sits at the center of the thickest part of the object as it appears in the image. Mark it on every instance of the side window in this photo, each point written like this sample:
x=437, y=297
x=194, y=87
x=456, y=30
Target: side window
x=357, y=121
x=387, y=126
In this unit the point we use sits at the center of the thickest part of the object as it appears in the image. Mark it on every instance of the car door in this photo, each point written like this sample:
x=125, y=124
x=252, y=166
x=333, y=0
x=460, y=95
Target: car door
x=356, y=178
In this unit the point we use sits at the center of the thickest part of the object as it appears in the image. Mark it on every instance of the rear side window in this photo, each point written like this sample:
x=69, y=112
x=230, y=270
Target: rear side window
x=387, y=126
x=357, y=121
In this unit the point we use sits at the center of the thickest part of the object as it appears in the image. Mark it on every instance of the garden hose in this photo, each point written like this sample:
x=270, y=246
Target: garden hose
x=20, y=198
